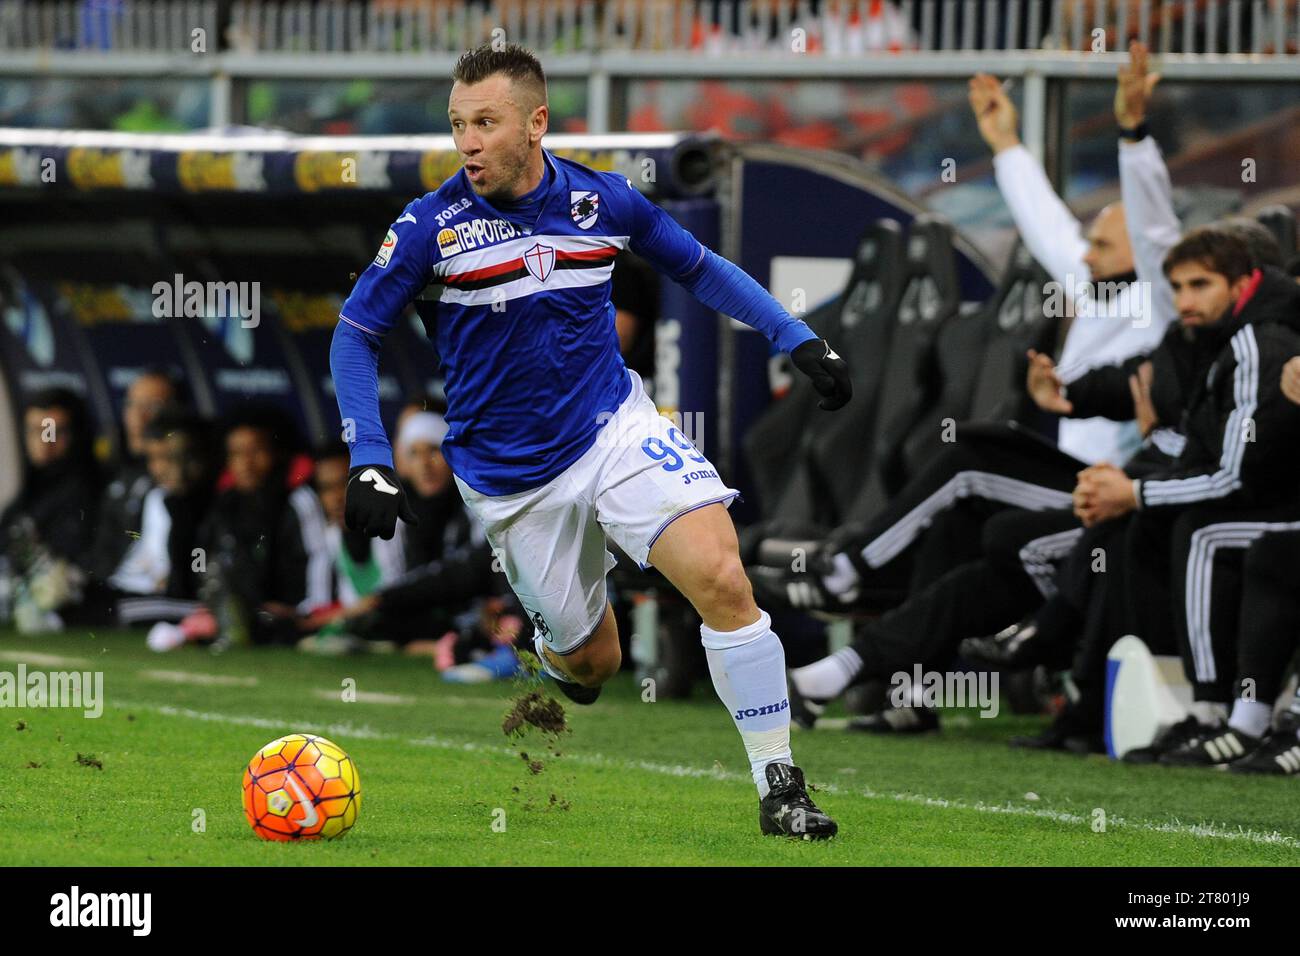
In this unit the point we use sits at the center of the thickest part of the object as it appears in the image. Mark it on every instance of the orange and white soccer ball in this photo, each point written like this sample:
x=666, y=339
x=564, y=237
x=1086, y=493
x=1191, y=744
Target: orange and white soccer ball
x=301, y=787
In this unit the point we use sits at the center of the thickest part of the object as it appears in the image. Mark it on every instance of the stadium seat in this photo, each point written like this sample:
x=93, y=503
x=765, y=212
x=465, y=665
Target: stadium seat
x=998, y=390
x=931, y=297
x=953, y=388
x=768, y=442
x=821, y=477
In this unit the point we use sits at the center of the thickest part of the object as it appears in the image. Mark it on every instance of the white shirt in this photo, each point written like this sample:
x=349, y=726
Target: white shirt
x=1107, y=328
x=146, y=565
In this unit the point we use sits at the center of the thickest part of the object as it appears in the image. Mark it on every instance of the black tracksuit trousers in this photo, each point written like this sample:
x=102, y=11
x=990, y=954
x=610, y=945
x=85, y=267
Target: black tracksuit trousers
x=974, y=599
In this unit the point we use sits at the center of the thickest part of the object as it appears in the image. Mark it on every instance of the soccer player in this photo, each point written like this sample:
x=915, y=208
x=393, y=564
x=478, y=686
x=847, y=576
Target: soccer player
x=553, y=442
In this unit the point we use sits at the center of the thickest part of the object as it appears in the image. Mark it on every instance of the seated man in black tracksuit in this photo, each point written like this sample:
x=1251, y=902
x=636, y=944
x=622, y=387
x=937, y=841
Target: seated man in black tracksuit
x=1269, y=633
x=1014, y=571
x=1236, y=470
x=1076, y=616
x=995, y=591
x=1241, y=574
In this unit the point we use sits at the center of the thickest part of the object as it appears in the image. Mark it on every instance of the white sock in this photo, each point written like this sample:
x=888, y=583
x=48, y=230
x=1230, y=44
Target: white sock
x=1208, y=713
x=843, y=579
x=1251, y=717
x=748, y=670
x=829, y=677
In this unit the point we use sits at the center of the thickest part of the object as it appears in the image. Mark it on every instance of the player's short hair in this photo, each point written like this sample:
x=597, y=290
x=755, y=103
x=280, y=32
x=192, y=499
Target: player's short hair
x=1217, y=249
x=523, y=68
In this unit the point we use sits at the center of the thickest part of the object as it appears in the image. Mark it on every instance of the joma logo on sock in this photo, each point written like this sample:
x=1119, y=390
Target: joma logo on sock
x=760, y=711
x=133, y=910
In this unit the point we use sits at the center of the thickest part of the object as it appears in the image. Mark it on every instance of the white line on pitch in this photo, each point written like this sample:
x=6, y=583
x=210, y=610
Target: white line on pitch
x=364, y=696
x=198, y=677
x=405, y=700
x=344, y=730
x=41, y=660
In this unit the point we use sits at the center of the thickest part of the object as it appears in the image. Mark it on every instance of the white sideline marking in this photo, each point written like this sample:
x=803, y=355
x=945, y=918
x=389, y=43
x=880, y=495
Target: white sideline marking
x=197, y=677
x=337, y=730
x=374, y=697
x=41, y=660
x=364, y=696
x=842, y=723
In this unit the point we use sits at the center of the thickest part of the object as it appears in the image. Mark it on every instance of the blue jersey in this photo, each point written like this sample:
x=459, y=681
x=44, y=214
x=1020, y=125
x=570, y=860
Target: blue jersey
x=517, y=300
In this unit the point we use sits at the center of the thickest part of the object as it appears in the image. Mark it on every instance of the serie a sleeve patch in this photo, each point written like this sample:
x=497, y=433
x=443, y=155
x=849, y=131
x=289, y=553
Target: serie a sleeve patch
x=386, y=249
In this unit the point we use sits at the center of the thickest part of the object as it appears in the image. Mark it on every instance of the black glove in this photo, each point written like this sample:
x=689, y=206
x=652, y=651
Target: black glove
x=374, y=502
x=830, y=376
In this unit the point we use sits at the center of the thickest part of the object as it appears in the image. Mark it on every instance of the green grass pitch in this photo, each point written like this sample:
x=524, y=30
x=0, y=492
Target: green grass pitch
x=641, y=783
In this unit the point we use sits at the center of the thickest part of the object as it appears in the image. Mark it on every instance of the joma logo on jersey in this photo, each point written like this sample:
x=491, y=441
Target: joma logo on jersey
x=475, y=233
x=452, y=211
x=765, y=709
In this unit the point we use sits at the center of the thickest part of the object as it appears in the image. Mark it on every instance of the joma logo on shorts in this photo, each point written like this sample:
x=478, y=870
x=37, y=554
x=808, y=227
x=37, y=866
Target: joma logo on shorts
x=760, y=711
x=698, y=476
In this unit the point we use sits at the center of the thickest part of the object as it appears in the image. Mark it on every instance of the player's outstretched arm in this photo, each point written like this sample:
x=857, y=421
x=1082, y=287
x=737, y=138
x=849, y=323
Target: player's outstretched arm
x=375, y=498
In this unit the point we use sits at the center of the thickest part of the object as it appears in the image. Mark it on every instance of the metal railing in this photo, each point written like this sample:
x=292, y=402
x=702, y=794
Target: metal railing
x=821, y=28
x=613, y=41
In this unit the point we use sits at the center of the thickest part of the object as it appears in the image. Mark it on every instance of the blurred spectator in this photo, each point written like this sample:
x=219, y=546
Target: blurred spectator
x=839, y=28
x=263, y=557
x=121, y=506
x=46, y=528
x=155, y=580
x=183, y=461
x=449, y=604
x=1166, y=24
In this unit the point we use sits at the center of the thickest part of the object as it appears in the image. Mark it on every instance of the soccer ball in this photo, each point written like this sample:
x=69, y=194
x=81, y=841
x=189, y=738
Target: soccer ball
x=301, y=787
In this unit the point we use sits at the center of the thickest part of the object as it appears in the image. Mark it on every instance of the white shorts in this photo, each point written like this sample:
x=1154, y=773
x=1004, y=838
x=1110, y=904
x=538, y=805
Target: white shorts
x=640, y=474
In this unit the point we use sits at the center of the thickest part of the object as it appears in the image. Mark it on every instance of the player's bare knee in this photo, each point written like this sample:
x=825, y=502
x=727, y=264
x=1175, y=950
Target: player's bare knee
x=725, y=586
